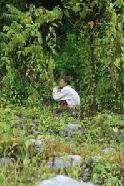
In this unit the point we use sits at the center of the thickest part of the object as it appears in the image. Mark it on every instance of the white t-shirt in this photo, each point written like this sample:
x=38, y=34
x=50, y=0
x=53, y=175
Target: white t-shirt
x=68, y=94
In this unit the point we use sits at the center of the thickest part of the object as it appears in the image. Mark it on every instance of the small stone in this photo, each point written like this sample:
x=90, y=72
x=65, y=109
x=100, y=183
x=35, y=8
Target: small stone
x=23, y=120
x=28, y=183
x=38, y=143
x=109, y=117
x=107, y=150
x=85, y=176
x=36, y=121
x=94, y=159
x=63, y=181
x=57, y=163
x=83, y=165
x=35, y=133
x=53, y=132
x=5, y=161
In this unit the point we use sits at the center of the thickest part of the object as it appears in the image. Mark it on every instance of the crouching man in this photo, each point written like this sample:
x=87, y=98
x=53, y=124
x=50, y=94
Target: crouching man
x=68, y=98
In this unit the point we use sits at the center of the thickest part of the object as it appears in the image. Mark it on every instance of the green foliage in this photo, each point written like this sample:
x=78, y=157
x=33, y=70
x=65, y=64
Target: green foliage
x=92, y=53
x=21, y=4
x=25, y=64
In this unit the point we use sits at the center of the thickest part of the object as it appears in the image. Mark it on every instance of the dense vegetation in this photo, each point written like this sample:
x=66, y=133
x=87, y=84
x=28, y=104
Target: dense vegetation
x=84, y=40
x=40, y=42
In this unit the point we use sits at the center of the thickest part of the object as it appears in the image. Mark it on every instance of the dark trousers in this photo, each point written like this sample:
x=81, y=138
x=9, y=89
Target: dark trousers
x=65, y=109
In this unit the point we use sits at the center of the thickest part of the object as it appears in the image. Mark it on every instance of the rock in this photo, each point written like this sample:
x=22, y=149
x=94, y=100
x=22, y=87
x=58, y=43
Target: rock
x=63, y=181
x=35, y=133
x=107, y=150
x=85, y=172
x=57, y=163
x=36, y=121
x=86, y=176
x=83, y=166
x=109, y=117
x=94, y=159
x=72, y=129
x=23, y=120
x=69, y=130
x=28, y=183
x=5, y=161
x=53, y=132
x=38, y=143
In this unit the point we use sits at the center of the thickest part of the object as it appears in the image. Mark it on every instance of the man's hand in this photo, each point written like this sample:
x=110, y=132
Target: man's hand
x=55, y=89
x=54, y=84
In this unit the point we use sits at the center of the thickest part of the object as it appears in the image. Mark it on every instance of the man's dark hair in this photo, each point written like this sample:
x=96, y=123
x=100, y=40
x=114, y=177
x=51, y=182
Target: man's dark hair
x=67, y=79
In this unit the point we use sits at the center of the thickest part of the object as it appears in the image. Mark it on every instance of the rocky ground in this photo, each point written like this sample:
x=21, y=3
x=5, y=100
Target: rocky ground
x=37, y=148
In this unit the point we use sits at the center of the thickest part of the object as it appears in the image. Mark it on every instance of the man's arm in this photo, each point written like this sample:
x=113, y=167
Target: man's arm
x=59, y=95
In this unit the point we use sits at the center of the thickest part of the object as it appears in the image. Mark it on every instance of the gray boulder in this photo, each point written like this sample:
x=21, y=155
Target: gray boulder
x=57, y=163
x=73, y=129
x=108, y=150
x=63, y=181
x=69, y=130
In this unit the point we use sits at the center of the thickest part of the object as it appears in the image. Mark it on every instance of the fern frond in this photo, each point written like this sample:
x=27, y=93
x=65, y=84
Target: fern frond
x=13, y=13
